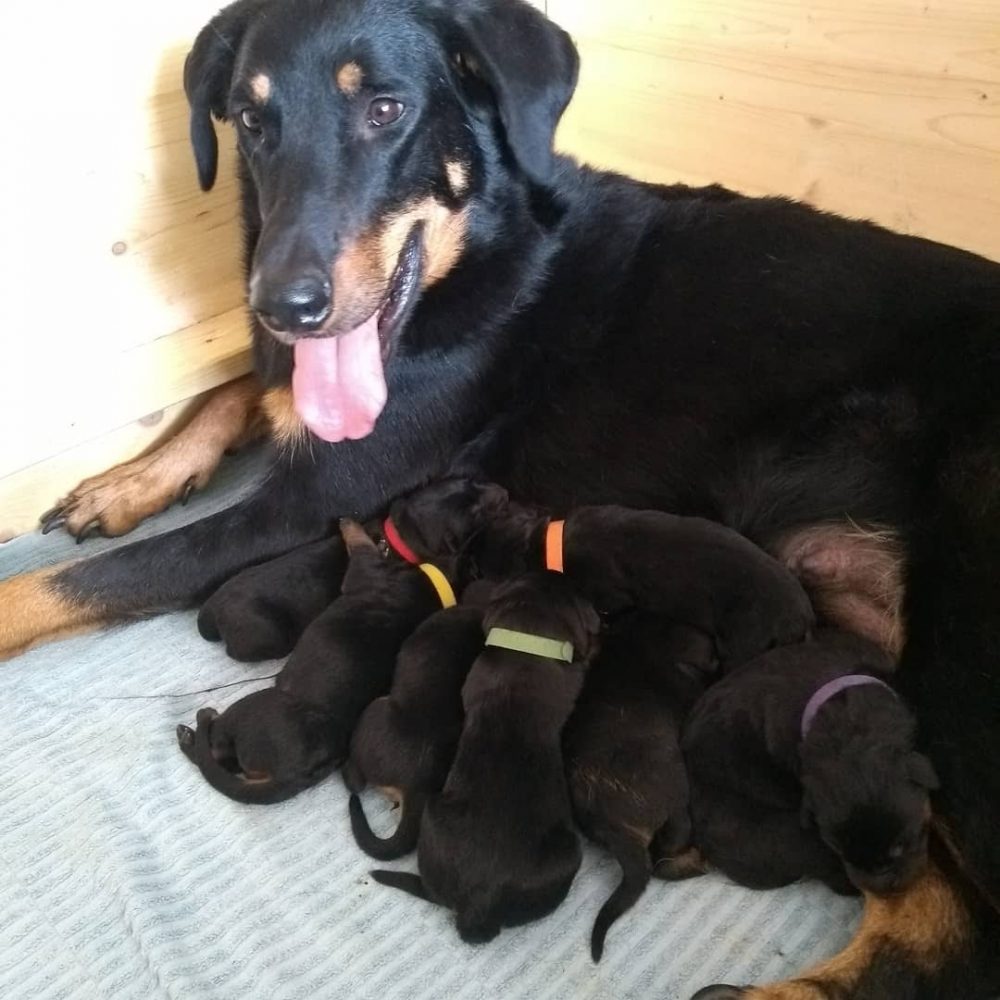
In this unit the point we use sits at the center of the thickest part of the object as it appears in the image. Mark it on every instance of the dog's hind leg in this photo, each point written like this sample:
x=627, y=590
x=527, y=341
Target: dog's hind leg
x=917, y=945
x=114, y=502
x=173, y=570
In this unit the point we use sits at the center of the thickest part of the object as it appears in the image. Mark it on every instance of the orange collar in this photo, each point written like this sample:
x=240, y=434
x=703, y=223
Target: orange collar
x=554, y=546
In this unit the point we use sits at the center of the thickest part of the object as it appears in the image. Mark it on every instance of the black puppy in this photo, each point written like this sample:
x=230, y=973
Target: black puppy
x=273, y=743
x=623, y=758
x=687, y=569
x=801, y=764
x=262, y=612
x=405, y=742
x=497, y=845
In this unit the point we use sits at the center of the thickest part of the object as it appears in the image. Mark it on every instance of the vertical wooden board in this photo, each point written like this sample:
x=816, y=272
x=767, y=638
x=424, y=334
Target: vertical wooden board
x=888, y=110
x=113, y=250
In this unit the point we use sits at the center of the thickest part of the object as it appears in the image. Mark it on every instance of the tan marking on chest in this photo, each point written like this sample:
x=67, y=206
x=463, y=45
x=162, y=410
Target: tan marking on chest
x=287, y=427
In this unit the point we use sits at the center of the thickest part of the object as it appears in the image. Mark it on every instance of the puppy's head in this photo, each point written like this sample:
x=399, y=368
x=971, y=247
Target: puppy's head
x=870, y=803
x=440, y=520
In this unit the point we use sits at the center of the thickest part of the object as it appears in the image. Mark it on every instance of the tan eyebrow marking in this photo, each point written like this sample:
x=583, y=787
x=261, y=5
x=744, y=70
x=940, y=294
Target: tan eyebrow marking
x=349, y=78
x=260, y=87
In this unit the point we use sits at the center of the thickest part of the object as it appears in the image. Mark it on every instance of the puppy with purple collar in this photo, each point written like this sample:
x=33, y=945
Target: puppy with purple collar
x=802, y=765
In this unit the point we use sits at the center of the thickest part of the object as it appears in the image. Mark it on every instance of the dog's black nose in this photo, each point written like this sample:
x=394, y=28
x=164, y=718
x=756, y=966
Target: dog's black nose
x=300, y=306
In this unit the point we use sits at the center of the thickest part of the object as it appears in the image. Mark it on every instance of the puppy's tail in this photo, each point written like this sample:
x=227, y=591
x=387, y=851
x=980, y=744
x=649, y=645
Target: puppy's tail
x=407, y=881
x=633, y=856
x=402, y=841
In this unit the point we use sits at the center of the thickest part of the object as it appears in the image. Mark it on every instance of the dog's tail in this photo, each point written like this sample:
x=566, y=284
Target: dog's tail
x=198, y=749
x=407, y=881
x=401, y=842
x=633, y=856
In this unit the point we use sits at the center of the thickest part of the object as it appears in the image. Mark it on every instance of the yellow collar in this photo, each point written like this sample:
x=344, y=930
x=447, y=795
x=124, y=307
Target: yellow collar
x=440, y=583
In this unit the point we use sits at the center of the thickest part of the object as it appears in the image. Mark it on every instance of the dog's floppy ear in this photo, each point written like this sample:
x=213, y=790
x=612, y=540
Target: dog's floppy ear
x=921, y=772
x=531, y=66
x=208, y=71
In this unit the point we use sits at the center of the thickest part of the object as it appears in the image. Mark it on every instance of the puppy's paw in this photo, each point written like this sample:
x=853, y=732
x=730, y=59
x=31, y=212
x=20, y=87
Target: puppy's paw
x=185, y=740
x=206, y=716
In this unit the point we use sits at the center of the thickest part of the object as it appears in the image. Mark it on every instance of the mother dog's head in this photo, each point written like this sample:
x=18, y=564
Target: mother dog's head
x=367, y=131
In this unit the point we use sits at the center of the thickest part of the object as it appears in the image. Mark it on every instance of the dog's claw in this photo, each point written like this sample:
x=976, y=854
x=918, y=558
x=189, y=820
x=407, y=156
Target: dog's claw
x=720, y=992
x=89, y=530
x=53, y=523
x=52, y=513
x=187, y=491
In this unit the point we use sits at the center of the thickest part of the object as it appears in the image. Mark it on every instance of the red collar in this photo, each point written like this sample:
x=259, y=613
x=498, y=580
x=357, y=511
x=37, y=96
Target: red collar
x=397, y=544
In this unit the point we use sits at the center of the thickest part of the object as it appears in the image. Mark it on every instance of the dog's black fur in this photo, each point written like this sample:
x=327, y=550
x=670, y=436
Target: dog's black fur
x=688, y=569
x=687, y=353
x=626, y=776
x=406, y=741
x=770, y=807
x=497, y=844
x=273, y=743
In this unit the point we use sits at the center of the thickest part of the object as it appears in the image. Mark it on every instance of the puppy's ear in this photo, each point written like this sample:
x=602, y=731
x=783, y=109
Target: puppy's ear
x=491, y=500
x=531, y=67
x=208, y=71
x=921, y=772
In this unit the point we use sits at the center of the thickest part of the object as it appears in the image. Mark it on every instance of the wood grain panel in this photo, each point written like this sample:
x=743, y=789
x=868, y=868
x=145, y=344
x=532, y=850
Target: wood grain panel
x=888, y=110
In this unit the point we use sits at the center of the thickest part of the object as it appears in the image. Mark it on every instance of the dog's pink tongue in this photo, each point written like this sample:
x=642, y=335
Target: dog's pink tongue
x=338, y=383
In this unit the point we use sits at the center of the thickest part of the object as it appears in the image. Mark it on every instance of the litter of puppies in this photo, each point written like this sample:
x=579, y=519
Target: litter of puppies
x=656, y=681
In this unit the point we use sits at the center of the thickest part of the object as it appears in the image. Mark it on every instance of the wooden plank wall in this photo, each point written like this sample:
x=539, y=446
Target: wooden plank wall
x=127, y=279
x=885, y=109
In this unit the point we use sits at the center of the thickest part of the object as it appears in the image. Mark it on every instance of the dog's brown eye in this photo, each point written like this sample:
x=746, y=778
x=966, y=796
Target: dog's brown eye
x=384, y=111
x=251, y=121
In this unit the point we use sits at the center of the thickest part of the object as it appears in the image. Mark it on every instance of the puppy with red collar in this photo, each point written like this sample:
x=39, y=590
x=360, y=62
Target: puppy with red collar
x=274, y=743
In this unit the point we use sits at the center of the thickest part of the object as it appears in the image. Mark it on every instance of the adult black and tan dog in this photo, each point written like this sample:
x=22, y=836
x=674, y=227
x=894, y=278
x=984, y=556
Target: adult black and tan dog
x=418, y=260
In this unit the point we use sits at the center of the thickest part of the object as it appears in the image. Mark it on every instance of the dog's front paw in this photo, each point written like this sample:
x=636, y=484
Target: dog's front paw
x=206, y=716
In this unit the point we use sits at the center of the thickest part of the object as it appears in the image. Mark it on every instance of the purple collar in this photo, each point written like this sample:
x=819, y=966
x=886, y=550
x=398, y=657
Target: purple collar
x=828, y=690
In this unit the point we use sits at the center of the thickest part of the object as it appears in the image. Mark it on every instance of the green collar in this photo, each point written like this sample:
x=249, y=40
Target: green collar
x=526, y=642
